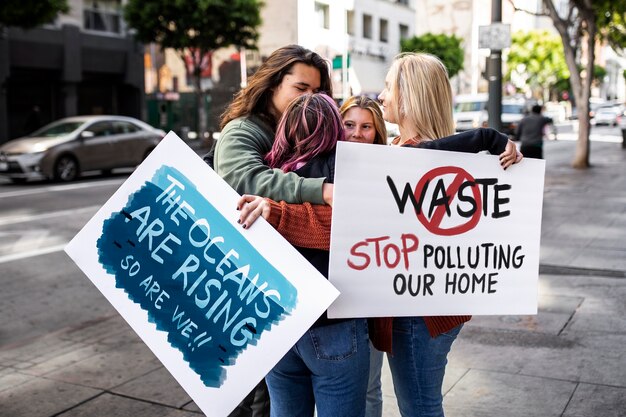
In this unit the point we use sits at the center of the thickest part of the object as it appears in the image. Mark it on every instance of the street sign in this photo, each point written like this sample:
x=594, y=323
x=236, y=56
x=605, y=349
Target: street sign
x=495, y=36
x=338, y=61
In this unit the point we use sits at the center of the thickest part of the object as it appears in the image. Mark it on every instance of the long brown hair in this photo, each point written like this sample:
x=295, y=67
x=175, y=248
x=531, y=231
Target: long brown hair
x=256, y=97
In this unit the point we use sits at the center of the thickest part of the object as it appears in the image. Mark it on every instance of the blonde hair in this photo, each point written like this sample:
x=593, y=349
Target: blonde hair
x=423, y=95
x=366, y=103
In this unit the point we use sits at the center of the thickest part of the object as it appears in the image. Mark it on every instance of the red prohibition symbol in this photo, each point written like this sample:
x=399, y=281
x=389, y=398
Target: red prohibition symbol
x=461, y=176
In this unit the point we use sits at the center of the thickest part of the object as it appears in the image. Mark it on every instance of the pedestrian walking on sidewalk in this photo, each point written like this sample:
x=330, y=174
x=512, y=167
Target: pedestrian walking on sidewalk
x=530, y=132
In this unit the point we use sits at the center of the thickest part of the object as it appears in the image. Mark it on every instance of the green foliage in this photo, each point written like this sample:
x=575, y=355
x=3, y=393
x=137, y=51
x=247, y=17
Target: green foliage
x=599, y=72
x=28, y=14
x=536, y=59
x=611, y=21
x=204, y=25
x=446, y=48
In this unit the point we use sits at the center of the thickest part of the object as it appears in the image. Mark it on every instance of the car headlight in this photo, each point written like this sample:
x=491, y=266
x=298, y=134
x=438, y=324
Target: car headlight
x=30, y=159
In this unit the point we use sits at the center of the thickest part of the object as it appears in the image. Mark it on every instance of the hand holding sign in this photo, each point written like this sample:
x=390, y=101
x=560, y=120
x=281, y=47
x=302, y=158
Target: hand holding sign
x=459, y=236
x=218, y=308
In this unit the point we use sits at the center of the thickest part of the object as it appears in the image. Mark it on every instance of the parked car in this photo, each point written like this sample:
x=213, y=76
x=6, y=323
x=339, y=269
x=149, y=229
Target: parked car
x=63, y=149
x=513, y=111
x=556, y=111
x=469, y=111
x=609, y=116
x=595, y=104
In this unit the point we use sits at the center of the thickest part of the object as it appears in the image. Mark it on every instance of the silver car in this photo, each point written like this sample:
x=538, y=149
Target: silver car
x=609, y=116
x=63, y=149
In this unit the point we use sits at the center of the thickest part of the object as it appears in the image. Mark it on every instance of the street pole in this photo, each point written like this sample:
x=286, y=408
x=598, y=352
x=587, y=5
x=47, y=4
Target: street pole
x=243, y=65
x=494, y=71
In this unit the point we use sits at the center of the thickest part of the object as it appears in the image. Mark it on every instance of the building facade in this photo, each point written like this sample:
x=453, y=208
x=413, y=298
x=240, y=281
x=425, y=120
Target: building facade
x=360, y=37
x=85, y=62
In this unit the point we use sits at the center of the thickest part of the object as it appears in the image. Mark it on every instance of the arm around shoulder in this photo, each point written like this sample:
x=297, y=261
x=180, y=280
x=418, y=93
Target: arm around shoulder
x=482, y=139
x=238, y=159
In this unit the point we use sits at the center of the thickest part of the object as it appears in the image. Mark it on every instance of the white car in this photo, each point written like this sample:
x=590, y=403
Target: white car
x=608, y=116
x=469, y=111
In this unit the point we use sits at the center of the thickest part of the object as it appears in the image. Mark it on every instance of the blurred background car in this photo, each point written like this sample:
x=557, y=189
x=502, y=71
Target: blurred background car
x=513, y=111
x=557, y=111
x=608, y=116
x=469, y=111
x=63, y=149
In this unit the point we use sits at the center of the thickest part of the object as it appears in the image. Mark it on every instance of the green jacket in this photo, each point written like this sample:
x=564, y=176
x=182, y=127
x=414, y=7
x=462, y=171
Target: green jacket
x=238, y=159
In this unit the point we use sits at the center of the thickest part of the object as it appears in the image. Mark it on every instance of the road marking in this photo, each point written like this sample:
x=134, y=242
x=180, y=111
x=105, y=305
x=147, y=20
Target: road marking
x=64, y=187
x=30, y=254
x=573, y=136
x=31, y=217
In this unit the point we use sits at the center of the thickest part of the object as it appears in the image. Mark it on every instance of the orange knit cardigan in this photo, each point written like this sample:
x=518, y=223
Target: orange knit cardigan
x=308, y=225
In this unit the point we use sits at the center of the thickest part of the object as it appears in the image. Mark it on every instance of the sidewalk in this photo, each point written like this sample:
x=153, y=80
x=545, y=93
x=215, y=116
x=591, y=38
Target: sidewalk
x=568, y=361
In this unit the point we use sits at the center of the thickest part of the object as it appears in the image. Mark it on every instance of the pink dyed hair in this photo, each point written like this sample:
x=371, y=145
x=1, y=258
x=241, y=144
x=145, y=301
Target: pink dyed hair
x=311, y=125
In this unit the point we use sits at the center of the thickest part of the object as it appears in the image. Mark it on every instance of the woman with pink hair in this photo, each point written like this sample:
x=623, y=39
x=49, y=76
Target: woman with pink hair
x=328, y=367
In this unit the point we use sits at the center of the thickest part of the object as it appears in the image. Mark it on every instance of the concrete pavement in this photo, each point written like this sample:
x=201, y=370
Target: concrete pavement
x=568, y=361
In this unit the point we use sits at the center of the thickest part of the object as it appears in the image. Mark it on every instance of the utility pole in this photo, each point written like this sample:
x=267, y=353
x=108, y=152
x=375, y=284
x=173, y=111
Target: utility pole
x=494, y=71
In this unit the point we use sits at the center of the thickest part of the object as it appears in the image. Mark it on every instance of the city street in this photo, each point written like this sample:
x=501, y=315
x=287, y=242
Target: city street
x=64, y=351
x=36, y=222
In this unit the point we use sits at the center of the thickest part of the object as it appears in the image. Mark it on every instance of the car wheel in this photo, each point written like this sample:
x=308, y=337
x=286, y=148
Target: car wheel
x=18, y=180
x=66, y=168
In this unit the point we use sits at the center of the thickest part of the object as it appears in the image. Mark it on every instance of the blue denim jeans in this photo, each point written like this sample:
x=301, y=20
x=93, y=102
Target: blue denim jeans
x=374, y=403
x=327, y=368
x=418, y=365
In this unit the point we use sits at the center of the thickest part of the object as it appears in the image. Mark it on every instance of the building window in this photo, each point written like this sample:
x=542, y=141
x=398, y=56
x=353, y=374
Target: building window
x=321, y=10
x=103, y=15
x=405, y=2
x=367, y=26
x=384, y=30
x=404, y=31
x=350, y=22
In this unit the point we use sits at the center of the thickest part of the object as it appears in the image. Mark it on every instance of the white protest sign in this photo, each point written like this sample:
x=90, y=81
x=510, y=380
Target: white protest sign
x=420, y=232
x=217, y=304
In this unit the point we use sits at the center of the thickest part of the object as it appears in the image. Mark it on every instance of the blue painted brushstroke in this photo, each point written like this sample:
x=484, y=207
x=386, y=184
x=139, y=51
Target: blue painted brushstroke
x=209, y=318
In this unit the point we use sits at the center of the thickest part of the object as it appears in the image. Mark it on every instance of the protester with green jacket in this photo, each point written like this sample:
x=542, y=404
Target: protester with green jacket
x=249, y=124
x=248, y=129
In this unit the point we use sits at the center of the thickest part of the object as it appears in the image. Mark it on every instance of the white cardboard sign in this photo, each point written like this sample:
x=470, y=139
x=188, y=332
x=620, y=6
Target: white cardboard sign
x=420, y=232
x=217, y=304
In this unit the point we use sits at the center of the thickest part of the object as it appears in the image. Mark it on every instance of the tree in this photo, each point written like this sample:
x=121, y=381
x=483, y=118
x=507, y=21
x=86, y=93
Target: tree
x=28, y=14
x=581, y=24
x=536, y=59
x=194, y=29
x=446, y=48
